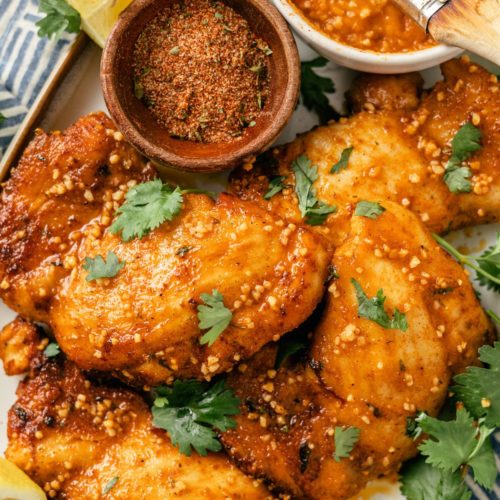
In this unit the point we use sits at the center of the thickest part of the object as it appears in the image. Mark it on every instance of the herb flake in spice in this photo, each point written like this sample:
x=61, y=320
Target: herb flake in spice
x=207, y=76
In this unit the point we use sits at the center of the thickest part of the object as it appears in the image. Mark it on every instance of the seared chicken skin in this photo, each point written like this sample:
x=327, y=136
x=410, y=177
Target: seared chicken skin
x=73, y=436
x=61, y=190
x=361, y=374
x=143, y=322
x=401, y=145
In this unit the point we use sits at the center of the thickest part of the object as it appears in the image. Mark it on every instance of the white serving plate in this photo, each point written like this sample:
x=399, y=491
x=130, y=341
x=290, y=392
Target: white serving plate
x=80, y=93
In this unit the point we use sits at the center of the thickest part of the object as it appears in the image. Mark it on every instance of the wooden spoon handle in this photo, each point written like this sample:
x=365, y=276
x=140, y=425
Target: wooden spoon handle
x=471, y=24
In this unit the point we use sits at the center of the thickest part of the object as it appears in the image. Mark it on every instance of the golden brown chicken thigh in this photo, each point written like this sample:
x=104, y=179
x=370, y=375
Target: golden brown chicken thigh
x=73, y=436
x=61, y=189
x=360, y=373
x=143, y=322
x=399, y=153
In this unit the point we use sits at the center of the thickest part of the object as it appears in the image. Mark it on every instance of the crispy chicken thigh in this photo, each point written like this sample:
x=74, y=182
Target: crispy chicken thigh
x=361, y=374
x=62, y=188
x=399, y=153
x=73, y=436
x=143, y=322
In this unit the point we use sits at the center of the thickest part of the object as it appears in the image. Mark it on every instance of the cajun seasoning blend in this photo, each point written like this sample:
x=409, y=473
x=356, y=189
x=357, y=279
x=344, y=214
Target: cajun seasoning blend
x=201, y=71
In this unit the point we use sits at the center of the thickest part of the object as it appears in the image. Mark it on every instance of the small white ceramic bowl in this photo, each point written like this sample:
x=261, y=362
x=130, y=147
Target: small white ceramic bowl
x=364, y=60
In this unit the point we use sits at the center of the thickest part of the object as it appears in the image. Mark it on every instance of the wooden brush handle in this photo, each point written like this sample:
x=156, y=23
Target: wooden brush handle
x=471, y=24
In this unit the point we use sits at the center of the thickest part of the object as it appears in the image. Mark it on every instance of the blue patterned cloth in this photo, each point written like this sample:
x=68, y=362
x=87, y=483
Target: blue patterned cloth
x=26, y=62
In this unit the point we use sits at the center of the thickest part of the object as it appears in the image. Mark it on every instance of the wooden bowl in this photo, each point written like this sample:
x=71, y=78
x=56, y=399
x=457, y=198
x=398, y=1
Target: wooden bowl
x=141, y=128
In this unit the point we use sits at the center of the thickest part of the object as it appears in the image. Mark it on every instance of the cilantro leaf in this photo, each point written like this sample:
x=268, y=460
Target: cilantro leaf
x=373, y=309
x=190, y=411
x=52, y=350
x=288, y=346
x=369, y=209
x=100, y=268
x=275, y=186
x=421, y=481
x=110, y=485
x=147, y=206
x=345, y=439
x=459, y=442
x=479, y=388
x=466, y=141
x=343, y=162
x=489, y=262
x=487, y=265
x=313, y=89
x=59, y=17
x=314, y=210
x=214, y=315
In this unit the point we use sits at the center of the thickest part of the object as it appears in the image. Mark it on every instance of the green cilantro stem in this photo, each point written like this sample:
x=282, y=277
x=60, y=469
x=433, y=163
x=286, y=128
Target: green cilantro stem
x=465, y=259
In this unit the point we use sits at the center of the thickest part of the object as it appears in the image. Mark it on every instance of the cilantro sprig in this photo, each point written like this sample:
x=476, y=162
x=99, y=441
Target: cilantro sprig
x=465, y=142
x=97, y=267
x=487, y=265
x=59, y=17
x=422, y=481
x=313, y=89
x=479, y=388
x=147, y=206
x=343, y=161
x=52, y=350
x=457, y=443
x=373, y=309
x=370, y=209
x=275, y=186
x=190, y=411
x=345, y=440
x=213, y=315
x=314, y=210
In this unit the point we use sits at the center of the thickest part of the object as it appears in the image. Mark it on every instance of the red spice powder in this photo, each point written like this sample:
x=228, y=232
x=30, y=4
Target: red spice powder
x=201, y=71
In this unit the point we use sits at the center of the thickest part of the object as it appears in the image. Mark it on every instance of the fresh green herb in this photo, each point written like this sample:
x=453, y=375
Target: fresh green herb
x=493, y=316
x=174, y=51
x=214, y=315
x=138, y=89
x=343, y=162
x=466, y=141
x=369, y=209
x=314, y=210
x=183, y=250
x=190, y=411
x=487, y=265
x=479, y=388
x=52, y=350
x=457, y=443
x=110, y=485
x=313, y=89
x=421, y=481
x=218, y=15
x=100, y=268
x=373, y=309
x=59, y=17
x=288, y=346
x=275, y=186
x=345, y=439
x=412, y=428
x=147, y=206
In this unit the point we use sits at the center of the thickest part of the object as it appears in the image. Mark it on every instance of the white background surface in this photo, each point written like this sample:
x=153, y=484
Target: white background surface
x=80, y=94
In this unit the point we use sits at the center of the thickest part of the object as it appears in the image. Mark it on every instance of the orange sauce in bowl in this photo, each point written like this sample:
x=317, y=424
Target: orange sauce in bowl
x=375, y=25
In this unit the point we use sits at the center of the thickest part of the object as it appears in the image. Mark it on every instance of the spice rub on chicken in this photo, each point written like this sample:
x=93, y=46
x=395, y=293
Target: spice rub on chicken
x=401, y=319
x=79, y=438
x=66, y=186
x=194, y=296
x=406, y=148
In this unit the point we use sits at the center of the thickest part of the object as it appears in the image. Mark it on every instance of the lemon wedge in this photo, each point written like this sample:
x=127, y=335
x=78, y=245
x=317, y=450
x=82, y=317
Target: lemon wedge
x=16, y=485
x=99, y=16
